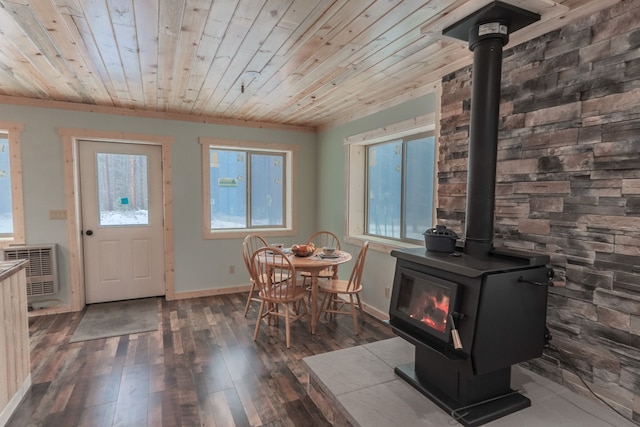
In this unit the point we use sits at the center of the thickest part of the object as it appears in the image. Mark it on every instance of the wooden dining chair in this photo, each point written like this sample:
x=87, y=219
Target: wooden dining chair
x=250, y=244
x=267, y=263
x=335, y=291
x=323, y=239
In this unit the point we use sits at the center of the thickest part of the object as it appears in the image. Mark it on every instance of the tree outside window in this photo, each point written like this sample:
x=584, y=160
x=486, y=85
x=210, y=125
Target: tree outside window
x=400, y=182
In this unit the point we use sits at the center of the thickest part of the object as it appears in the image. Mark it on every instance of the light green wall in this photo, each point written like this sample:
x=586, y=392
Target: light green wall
x=379, y=267
x=199, y=264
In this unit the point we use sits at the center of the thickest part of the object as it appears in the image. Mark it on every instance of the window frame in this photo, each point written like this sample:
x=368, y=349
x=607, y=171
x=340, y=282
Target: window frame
x=290, y=153
x=13, y=131
x=356, y=193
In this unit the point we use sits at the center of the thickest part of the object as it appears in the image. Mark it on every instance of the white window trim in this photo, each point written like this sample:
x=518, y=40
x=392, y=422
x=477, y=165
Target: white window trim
x=291, y=209
x=13, y=131
x=355, y=154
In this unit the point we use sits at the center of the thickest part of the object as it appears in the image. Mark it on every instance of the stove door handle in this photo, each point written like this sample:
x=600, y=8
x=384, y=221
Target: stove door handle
x=459, y=316
x=457, y=342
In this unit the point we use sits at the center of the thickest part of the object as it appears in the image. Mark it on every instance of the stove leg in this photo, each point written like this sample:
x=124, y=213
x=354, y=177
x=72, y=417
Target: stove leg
x=471, y=414
x=472, y=400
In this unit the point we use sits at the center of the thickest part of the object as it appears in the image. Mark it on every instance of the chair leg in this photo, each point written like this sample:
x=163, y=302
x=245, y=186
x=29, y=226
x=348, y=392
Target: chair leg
x=335, y=301
x=246, y=308
x=353, y=314
x=324, y=305
x=260, y=317
x=298, y=305
x=307, y=313
x=273, y=320
x=309, y=297
x=276, y=319
x=287, y=325
x=360, y=308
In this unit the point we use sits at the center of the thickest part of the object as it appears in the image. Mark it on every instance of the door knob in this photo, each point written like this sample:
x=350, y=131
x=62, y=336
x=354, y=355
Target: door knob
x=89, y=232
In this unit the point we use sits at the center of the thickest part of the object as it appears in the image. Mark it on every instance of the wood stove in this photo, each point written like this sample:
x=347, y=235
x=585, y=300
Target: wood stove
x=473, y=313
x=470, y=318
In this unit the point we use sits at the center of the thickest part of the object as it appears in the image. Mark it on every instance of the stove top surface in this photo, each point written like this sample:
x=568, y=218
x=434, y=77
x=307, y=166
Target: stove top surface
x=498, y=260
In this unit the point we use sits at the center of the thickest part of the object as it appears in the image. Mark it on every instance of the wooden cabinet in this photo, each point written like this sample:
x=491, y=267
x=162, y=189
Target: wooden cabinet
x=15, y=374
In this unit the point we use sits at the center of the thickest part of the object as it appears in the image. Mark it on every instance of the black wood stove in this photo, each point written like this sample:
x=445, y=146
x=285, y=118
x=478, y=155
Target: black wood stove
x=470, y=318
x=473, y=313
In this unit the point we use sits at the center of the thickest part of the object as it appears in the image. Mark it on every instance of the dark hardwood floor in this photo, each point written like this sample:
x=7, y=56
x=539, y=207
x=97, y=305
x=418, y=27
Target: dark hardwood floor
x=200, y=368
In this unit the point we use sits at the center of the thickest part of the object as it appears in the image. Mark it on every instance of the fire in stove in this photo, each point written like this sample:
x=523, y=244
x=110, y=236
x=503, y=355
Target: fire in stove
x=425, y=302
x=430, y=309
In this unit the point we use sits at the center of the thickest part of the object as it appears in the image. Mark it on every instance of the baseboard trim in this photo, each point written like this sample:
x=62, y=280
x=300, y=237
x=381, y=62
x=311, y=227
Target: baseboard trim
x=52, y=310
x=211, y=292
x=380, y=315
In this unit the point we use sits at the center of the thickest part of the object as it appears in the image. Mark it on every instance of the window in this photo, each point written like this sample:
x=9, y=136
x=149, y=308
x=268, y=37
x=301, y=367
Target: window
x=122, y=174
x=247, y=187
x=392, y=182
x=400, y=182
x=11, y=210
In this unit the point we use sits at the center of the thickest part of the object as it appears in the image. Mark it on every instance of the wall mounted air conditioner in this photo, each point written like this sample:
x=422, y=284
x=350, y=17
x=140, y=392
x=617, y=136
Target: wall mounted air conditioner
x=42, y=270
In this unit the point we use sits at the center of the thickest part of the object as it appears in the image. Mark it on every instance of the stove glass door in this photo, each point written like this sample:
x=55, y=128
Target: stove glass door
x=426, y=302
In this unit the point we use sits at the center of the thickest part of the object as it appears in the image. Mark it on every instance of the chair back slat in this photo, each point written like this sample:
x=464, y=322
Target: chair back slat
x=274, y=274
x=250, y=244
x=355, y=280
x=324, y=238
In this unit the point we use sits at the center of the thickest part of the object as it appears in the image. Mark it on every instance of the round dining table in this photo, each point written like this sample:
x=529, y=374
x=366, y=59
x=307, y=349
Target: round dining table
x=314, y=264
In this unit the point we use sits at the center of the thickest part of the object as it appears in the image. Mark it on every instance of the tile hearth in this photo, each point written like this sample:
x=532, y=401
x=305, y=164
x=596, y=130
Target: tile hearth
x=357, y=386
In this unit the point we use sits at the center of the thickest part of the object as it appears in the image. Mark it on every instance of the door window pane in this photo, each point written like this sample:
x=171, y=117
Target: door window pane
x=123, y=190
x=6, y=210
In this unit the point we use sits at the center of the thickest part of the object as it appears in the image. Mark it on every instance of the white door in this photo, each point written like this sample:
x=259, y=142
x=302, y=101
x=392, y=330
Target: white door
x=122, y=222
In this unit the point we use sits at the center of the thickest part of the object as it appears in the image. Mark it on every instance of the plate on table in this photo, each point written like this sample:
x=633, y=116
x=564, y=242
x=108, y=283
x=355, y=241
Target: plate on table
x=284, y=251
x=328, y=256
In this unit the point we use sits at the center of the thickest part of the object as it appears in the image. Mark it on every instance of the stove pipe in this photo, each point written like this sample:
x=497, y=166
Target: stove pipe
x=487, y=32
x=486, y=41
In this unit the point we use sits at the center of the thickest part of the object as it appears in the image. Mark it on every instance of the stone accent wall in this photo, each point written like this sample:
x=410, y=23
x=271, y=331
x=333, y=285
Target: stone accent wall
x=568, y=186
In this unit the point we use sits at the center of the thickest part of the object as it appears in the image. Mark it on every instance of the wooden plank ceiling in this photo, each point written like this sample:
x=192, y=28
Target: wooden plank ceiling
x=310, y=63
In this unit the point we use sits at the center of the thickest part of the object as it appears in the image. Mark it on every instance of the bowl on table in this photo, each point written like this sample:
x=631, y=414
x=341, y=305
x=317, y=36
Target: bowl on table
x=303, y=250
x=329, y=250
